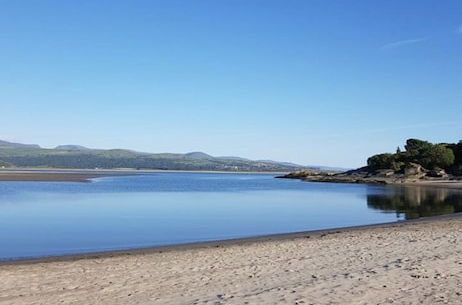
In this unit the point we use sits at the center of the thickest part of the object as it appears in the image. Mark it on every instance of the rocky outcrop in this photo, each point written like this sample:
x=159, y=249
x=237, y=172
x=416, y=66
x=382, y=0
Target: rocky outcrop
x=441, y=173
x=412, y=172
x=354, y=176
x=408, y=166
x=305, y=173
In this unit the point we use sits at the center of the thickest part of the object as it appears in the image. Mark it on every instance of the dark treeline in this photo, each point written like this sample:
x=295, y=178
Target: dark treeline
x=107, y=159
x=93, y=161
x=442, y=156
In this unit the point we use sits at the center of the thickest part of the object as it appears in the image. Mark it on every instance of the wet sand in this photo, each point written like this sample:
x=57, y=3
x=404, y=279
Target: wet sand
x=50, y=176
x=416, y=262
x=84, y=175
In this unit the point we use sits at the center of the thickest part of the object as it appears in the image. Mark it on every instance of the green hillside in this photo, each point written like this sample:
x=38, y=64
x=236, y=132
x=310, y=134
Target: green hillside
x=21, y=155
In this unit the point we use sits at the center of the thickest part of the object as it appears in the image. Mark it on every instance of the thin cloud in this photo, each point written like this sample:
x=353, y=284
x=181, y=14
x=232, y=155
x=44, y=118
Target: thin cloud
x=402, y=43
x=459, y=30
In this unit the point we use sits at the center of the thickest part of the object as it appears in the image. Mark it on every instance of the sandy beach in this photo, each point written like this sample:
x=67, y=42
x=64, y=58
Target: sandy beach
x=418, y=262
x=51, y=176
x=84, y=175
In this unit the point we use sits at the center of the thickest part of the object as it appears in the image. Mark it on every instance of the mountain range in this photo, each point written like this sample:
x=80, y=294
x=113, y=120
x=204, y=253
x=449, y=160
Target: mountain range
x=76, y=156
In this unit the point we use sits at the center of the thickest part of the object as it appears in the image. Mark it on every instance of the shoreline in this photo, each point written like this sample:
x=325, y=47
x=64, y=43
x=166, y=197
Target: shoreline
x=450, y=184
x=122, y=170
x=85, y=175
x=357, y=177
x=221, y=243
x=22, y=176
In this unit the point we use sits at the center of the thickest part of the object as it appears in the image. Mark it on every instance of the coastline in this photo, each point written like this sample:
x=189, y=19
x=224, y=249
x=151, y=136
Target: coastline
x=53, y=176
x=221, y=243
x=439, y=183
x=415, y=176
x=84, y=175
x=451, y=184
x=411, y=262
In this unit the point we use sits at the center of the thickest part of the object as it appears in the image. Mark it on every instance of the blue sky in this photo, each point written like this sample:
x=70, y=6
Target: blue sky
x=313, y=82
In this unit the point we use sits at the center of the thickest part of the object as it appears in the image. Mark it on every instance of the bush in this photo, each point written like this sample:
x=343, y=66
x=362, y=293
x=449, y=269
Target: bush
x=415, y=147
x=381, y=161
x=437, y=156
x=457, y=150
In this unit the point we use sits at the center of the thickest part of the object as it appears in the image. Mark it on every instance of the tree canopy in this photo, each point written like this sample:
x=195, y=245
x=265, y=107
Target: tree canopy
x=430, y=156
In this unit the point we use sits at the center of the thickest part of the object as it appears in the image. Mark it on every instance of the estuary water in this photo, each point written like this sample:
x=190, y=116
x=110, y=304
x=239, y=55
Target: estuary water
x=52, y=218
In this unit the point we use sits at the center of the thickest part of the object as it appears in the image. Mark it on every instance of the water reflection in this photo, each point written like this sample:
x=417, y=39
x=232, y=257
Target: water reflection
x=416, y=201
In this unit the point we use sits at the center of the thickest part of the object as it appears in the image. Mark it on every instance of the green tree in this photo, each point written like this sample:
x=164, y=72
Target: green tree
x=415, y=149
x=437, y=156
x=381, y=161
x=416, y=146
x=457, y=150
x=431, y=156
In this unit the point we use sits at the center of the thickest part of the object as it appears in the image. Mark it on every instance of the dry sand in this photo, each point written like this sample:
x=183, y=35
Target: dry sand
x=405, y=263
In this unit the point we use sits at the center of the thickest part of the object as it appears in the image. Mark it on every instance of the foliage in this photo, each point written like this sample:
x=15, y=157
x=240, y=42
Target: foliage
x=415, y=147
x=457, y=150
x=437, y=156
x=430, y=156
x=381, y=161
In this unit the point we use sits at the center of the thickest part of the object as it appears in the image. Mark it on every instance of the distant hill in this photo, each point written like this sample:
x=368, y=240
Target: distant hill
x=233, y=158
x=17, y=145
x=76, y=156
x=71, y=147
x=198, y=155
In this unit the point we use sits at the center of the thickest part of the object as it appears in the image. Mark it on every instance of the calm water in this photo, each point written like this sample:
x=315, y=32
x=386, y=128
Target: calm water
x=42, y=218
